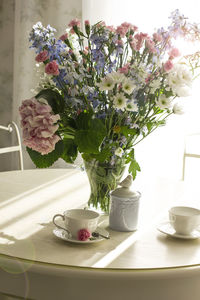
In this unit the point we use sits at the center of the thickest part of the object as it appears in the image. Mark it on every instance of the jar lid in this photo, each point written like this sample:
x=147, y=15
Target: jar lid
x=124, y=191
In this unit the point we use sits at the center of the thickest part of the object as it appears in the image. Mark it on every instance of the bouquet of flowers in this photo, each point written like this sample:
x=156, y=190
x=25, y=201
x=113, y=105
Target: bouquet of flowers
x=102, y=90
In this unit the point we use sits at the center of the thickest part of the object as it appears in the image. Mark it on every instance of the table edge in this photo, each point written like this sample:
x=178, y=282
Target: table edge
x=104, y=269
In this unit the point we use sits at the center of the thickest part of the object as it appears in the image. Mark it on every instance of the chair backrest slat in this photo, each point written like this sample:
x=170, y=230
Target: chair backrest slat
x=9, y=149
x=15, y=148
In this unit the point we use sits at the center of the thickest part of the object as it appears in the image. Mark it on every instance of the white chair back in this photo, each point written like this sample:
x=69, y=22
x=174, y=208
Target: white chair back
x=10, y=128
x=191, y=149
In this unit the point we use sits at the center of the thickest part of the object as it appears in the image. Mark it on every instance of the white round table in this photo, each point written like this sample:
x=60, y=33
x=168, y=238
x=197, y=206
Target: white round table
x=140, y=265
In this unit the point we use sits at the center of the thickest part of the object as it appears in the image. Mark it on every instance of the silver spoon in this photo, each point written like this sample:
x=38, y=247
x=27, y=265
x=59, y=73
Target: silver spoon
x=97, y=234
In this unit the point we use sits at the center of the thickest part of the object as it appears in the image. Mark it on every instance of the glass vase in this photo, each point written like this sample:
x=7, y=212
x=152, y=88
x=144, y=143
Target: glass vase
x=103, y=177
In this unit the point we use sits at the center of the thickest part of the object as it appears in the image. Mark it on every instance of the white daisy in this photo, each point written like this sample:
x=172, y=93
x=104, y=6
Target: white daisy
x=106, y=84
x=154, y=85
x=119, y=151
x=119, y=101
x=128, y=86
x=164, y=102
x=117, y=77
x=131, y=106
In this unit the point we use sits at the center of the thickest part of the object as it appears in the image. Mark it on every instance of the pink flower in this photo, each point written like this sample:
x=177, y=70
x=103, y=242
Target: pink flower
x=101, y=24
x=83, y=235
x=126, y=25
x=174, y=52
x=38, y=126
x=87, y=23
x=74, y=22
x=129, y=26
x=120, y=43
x=139, y=39
x=124, y=69
x=150, y=45
x=157, y=37
x=121, y=30
x=133, y=44
x=63, y=37
x=52, y=68
x=168, y=66
x=111, y=28
x=42, y=56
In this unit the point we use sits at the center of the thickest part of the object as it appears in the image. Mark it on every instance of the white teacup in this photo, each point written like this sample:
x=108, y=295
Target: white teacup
x=77, y=219
x=184, y=219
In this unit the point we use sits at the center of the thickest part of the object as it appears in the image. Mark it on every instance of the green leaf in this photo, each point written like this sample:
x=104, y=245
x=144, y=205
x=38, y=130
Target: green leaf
x=102, y=156
x=90, y=133
x=133, y=168
x=45, y=161
x=150, y=125
x=128, y=131
x=70, y=151
x=54, y=99
x=83, y=120
x=88, y=141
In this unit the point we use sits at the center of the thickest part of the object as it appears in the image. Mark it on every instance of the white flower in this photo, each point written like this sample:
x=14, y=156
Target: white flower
x=128, y=86
x=119, y=151
x=178, y=109
x=131, y=106
x=164, y=102
x=106, y=84
x=74, y=92
x=180, y=79
x=119, y=101
x=155, y=84
x=184, y=74
x=182, y=91
x=117, y=77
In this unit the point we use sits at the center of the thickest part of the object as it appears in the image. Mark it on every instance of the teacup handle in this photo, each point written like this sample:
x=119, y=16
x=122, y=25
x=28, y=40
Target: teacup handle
x=54, y=222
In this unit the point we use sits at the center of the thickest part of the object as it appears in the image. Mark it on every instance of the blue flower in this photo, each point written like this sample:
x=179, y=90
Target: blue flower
x=41, y=37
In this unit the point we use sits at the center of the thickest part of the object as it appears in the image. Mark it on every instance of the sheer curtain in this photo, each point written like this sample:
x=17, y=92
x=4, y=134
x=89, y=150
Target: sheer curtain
x=161, y=153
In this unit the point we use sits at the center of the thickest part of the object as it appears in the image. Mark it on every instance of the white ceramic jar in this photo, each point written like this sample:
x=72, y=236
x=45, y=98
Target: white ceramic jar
x=124, y=207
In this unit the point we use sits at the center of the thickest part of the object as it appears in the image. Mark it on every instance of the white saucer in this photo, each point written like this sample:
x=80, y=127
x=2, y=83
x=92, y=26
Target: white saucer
x=62, y=234
x=166, y=228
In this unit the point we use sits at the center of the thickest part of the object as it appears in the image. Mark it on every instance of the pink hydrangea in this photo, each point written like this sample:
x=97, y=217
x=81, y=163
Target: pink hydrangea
x=63, y=37
x=38, y=126
x=42, y=56
x=52, y=68
x=84, y=234
x=168, y=65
